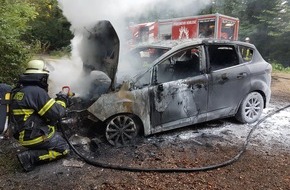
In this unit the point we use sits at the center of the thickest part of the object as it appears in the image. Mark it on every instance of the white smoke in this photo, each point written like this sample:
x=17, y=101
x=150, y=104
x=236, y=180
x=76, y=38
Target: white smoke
x=82, y=14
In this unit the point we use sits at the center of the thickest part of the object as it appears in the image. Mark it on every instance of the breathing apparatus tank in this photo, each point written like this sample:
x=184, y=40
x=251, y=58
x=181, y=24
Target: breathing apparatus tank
x=4, y=106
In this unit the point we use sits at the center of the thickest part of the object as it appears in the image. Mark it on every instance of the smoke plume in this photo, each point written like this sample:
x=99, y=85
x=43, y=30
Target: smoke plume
x=82, y=14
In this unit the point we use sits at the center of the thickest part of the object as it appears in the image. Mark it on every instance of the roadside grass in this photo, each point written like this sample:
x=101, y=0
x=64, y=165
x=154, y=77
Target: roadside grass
x=65, y=51
x=277, y=67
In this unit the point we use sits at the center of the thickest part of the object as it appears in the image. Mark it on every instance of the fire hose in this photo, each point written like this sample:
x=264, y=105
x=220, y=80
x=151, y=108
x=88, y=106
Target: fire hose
x=169, y=170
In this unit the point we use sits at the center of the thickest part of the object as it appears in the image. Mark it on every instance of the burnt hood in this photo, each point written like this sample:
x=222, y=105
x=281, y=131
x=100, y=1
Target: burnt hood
x=100, y=49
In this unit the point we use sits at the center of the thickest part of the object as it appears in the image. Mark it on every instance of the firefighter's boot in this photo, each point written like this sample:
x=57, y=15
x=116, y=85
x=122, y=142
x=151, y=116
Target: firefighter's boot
x=26, y=161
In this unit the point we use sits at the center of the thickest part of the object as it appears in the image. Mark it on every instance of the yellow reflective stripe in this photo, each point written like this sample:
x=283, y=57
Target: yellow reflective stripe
x=51, y=155
x=22, y=111
x=7, y=97
x=65, y=152
x=21, y=135
x=36, y=140
x=62, y=103
x=46, y=107
x=25, y=112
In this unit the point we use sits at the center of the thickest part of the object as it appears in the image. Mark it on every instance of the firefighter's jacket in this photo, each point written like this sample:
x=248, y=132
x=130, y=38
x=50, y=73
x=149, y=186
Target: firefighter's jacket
x=33, y=114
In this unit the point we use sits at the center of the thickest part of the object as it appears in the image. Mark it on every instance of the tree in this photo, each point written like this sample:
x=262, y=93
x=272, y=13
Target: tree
x=270, y=19
x=14, y=15
x=50, y=28
x=265, y=22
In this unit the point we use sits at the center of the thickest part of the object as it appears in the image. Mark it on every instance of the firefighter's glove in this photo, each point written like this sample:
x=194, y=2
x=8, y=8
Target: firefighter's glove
x=63, y=99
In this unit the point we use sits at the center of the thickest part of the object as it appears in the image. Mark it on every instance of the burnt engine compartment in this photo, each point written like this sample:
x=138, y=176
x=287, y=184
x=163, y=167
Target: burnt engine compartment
x=99, y=52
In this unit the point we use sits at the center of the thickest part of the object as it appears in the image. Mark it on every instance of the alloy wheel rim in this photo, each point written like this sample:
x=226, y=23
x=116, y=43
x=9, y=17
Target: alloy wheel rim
x=253, y=108
x=121, y=130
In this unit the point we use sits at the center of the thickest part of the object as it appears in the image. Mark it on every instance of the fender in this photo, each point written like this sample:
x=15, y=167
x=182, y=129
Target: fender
x=125, y=102
x=262, y=87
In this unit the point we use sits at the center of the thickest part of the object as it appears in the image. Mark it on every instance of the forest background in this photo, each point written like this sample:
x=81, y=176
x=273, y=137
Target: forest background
x=30, y=27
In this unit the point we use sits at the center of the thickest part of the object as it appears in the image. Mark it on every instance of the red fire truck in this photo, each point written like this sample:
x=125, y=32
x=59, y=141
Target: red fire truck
x=203, y=26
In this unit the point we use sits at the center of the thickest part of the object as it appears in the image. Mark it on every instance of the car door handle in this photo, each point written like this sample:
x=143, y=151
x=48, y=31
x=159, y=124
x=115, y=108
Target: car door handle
x=241, y=75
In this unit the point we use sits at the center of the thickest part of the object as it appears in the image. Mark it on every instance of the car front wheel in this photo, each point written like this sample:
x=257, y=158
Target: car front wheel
x=121, y=130
x=251, y=108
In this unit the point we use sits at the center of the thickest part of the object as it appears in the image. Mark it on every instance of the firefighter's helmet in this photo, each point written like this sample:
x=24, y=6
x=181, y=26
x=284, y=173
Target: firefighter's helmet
x=36, y=67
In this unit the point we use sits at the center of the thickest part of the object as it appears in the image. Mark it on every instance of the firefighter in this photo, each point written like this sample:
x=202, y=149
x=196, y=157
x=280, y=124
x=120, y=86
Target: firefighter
x=34, y=116
x=247, y=53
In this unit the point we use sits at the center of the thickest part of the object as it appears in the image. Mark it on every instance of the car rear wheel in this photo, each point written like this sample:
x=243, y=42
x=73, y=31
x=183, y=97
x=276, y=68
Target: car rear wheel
x=122, y=130
x=251, y=108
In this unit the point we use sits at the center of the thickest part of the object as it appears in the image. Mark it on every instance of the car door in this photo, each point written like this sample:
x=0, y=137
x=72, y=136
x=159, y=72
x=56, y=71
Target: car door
x=179, y=96
x=229, y=81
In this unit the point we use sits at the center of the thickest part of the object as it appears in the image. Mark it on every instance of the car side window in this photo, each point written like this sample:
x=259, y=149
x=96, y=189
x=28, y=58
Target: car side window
x=222, y=56
x=183, y=64
x=246, y=53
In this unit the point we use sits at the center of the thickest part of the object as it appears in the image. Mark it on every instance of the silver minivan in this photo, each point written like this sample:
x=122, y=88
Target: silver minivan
x=180, y=83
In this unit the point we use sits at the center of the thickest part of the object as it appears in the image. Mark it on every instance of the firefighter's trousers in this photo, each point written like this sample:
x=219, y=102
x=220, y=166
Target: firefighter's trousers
x=51, y=149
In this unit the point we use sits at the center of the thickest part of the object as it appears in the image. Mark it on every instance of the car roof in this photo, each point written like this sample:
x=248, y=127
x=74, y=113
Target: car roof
x=179, y=44
x=169, y=44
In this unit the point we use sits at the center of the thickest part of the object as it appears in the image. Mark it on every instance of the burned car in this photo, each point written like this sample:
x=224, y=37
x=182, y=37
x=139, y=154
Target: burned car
x=192, y=81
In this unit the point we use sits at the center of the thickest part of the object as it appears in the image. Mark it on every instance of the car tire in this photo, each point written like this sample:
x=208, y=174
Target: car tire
x=122, y=130
x=251, y=108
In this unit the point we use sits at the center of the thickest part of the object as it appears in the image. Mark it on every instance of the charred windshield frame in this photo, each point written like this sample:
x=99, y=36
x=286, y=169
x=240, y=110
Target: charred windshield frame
x=146, y=55
x=146, y=69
